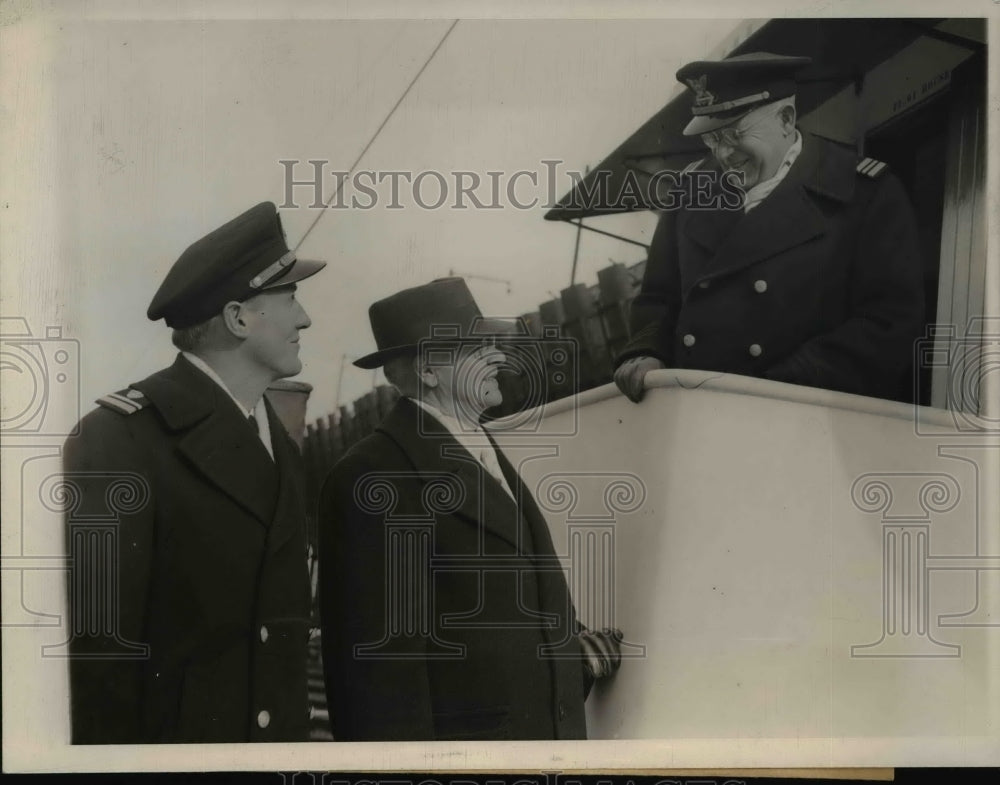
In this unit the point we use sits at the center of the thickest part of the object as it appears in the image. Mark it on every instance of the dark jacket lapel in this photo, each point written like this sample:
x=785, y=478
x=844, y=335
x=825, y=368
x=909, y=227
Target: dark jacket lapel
x=213, y=436
x=710, y=228
x=433, y=451
x=554, y=593
x=787, y=218
x=288, y=512
x=537, y=535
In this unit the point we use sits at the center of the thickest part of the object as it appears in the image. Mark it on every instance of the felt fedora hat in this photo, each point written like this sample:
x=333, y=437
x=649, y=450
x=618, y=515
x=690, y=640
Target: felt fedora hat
x=442, y=310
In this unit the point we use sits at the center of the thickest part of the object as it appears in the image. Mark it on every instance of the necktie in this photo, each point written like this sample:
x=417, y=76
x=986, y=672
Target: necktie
x=254, y=425
x=488, y=457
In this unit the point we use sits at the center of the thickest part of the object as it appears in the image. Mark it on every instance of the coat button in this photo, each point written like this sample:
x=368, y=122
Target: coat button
x=755, y=350
x=264, y=634
x=688, y=340
x=562, y=710
x=760, y=286
x=263, y=718
x=704, y=284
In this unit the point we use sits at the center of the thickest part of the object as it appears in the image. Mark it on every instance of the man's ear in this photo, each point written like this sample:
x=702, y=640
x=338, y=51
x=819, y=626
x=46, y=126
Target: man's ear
x=425, y=372
x=234, y=317
x=787, y=115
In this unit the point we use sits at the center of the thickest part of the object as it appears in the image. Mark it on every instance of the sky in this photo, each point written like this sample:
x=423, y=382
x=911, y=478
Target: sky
x=141, y=136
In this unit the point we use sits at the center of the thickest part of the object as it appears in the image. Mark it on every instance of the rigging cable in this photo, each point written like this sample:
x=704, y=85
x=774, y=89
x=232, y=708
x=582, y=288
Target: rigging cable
x=375, y=135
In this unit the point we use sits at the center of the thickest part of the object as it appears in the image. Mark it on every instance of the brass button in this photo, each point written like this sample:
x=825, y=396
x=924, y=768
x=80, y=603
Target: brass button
x=263, y=718
x=760, y=286
x=688, y=340
x=755, y=350
x=264, y=634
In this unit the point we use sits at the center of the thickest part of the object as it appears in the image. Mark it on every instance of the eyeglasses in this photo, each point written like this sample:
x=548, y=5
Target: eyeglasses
x=732, y=136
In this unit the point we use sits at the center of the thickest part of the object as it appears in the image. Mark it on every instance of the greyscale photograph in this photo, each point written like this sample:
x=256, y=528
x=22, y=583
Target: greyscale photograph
x=469, y=380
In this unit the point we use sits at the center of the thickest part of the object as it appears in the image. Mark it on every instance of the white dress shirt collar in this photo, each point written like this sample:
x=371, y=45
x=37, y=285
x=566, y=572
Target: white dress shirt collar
x=259, y=411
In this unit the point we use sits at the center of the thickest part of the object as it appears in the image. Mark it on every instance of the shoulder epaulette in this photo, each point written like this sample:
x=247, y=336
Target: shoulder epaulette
x=871, y=167
x=127, y=401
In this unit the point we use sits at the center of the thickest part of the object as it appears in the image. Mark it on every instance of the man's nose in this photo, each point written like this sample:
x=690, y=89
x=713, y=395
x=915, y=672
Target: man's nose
x=303, y=320
x=722, y=150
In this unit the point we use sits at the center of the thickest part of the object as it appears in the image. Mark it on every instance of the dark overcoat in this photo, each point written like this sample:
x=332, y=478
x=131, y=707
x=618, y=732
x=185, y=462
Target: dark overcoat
x=439, y=595
x=820, y=284
x=211, y=571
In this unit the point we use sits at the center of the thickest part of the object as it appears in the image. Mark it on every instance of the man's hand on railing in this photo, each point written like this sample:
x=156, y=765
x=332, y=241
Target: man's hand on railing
x=601, y=651
x=630, y=374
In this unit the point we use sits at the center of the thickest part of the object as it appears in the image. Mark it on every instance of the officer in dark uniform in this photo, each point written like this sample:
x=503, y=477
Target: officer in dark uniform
x=195, y=630
x=812, y=277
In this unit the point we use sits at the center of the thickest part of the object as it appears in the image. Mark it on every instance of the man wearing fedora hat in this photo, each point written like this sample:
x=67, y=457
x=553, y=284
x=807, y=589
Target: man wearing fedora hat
x=445, y=611
x=814, y=279
x=200, y=631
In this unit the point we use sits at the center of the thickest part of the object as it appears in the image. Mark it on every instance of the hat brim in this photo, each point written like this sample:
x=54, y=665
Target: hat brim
x=702, y=124
x=298, y=271
x=377, y=359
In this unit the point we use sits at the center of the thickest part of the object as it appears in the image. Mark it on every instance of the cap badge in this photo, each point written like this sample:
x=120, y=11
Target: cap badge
x=701, y=95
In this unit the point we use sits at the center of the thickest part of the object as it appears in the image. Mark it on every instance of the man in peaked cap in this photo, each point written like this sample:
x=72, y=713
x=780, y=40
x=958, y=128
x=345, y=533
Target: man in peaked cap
x=813, y=279
x=194, y=628
x=445, y=610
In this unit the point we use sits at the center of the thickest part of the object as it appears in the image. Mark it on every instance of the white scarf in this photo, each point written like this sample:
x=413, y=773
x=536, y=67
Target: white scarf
x=761, y=191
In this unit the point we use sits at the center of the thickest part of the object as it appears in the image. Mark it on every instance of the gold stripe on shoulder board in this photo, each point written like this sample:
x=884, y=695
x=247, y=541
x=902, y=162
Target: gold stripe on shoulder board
x=871, y=167
x=125, y=401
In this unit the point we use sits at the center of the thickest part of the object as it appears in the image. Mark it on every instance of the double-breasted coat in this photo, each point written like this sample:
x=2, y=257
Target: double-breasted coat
x=211, y=571
x=439, y=595
x=820, y=284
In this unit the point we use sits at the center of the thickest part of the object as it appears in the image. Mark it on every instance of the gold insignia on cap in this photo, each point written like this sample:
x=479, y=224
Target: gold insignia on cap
x=701, y=95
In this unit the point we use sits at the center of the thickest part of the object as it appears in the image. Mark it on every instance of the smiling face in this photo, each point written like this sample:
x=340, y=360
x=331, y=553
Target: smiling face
x=756, y=145
x=274, y=318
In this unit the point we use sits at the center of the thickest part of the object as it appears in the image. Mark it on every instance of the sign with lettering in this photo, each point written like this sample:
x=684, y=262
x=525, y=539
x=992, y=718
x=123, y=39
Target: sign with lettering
x=930, y=86
x=921, y=70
